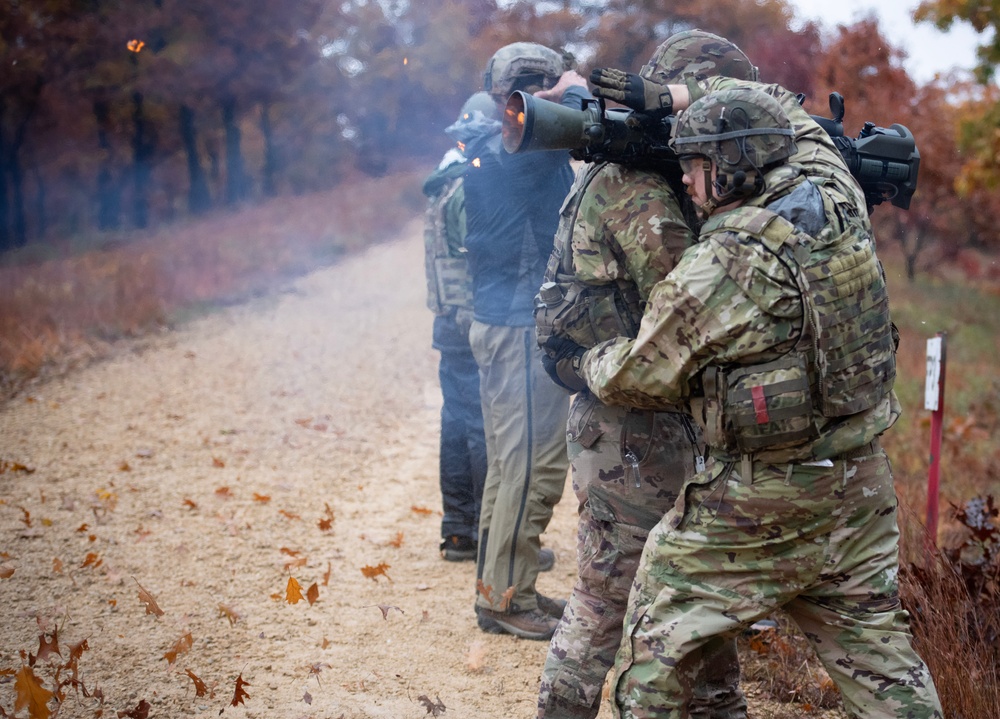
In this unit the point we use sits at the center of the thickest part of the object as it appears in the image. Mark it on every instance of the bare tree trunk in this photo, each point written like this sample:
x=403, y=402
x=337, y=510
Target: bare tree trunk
x=142, y=151
x=109, y=201
x=236, y=186
x=199, y=199
x=270, y=154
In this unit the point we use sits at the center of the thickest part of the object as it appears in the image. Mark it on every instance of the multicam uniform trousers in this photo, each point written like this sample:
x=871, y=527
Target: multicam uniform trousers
x=627, y=467
x=819, y=540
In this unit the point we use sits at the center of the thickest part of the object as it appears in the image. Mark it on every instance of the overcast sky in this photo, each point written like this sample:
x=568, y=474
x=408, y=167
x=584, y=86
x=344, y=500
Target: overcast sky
x=929, y=50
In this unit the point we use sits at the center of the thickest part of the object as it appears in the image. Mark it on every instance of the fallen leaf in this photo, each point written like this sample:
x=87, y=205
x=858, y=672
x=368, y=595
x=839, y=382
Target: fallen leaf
x=295, y=563
x=200, y=689
x=385, y=610
x=57, y=565
x=190, y=503
x=240, y=694
x=7, y=571
x=307, y=698
x=421, y=510
x=26, y=518
x=312, y=594
x=6, y=466
x=288, y=515
x=46, y=647
x=141, y=711
x=124, y=466
x=293, y=592
x=397, y=541
x=180, y=646
x=31, y=695
x=486, y=590
x=435, y=708
x=289, y=552
x=324, y=644
x=216, y=462
x=92, y=560
x=373, y=573
x=230, y=613
x=263, y=498
x=506, y=598
x=326, y=575
x=147, y=599
x=223, y=492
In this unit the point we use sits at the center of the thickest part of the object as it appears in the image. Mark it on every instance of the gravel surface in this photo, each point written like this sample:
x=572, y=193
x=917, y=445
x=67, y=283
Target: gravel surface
x=294, y=436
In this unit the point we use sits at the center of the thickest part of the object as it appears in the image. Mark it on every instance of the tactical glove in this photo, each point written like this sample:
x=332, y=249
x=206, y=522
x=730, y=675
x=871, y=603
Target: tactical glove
x=633, y=91
x=562, y=363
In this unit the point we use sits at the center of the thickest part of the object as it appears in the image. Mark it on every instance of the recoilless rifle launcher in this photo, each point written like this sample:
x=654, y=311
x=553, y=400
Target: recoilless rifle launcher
x=884, y=161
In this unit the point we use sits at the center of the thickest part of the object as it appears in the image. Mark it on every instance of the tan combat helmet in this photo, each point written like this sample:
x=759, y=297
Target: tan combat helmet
x=522, y=66
x=697, y=54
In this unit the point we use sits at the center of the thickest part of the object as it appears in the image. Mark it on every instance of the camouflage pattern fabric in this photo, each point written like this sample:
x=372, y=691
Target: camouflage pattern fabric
x=820, y=542
x=620, y=501
x=696, y=55
x=627, y=465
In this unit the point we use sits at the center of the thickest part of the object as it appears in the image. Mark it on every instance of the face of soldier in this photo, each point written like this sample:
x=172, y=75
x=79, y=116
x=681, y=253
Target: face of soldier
x=694, y=179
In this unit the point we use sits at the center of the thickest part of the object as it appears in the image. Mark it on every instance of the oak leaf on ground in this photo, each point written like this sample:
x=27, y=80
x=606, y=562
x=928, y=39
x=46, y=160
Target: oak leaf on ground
x=293, y=592
x=312, y=594
x=373, y=573
x=434, y=708
x=240, y=694
x=147, y=599
x=31, y=695
x=180, y=646
x=200, y=689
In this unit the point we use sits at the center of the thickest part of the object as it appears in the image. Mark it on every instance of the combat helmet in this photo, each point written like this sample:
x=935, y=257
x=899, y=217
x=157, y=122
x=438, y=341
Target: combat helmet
x=697, y=54
x=522, y=66
x=479, y=116
x=743, y=131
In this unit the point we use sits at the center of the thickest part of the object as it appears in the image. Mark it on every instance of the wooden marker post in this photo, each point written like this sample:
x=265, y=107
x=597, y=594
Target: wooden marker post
x=934, y=401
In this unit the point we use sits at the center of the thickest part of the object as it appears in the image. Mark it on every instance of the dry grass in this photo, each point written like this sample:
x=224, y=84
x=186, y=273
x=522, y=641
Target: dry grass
x=61, y=304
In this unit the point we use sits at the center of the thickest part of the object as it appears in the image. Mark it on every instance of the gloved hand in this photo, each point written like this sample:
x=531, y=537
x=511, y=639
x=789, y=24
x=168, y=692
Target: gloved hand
x=633, y=91
x=561, y=361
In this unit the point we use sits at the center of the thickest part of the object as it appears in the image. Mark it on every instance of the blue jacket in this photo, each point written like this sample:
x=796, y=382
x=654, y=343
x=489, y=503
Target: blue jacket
x=512, y=205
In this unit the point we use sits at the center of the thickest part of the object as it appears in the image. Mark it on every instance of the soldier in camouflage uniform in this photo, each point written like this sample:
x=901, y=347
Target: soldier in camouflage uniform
x=462, y=464
x=622, y=229
x=775, y=328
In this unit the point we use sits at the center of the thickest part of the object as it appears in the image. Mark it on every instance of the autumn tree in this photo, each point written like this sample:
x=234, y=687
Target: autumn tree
x=979, y=138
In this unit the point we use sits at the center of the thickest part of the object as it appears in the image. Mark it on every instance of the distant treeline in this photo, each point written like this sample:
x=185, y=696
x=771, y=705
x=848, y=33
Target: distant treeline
x=119, y=116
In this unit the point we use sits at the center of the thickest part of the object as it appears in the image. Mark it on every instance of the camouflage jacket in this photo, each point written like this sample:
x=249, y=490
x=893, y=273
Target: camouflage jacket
x=728, y=301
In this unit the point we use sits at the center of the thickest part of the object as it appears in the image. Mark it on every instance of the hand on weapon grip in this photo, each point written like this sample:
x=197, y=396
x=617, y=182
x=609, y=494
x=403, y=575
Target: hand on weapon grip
x=632, y=91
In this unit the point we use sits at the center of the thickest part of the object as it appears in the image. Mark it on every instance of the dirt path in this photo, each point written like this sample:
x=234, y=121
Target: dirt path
x=294, y=436
x=158, y=463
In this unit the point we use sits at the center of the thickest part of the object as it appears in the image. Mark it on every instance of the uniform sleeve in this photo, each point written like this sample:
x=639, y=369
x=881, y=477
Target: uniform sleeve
x=629, y=226
x=714, y=308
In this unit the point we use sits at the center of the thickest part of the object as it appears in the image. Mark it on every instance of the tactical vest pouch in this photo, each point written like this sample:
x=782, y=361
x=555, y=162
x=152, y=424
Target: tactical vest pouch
x=588, y=314
x=753, y=407
x=454, y=288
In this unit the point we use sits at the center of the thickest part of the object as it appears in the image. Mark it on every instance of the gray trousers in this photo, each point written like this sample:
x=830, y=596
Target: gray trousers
x=524, y=414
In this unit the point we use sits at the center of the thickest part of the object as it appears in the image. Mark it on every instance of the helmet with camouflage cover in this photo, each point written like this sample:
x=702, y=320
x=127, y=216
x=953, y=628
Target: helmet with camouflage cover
x=522, y=66
x=742, y=131
x=697, y=54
